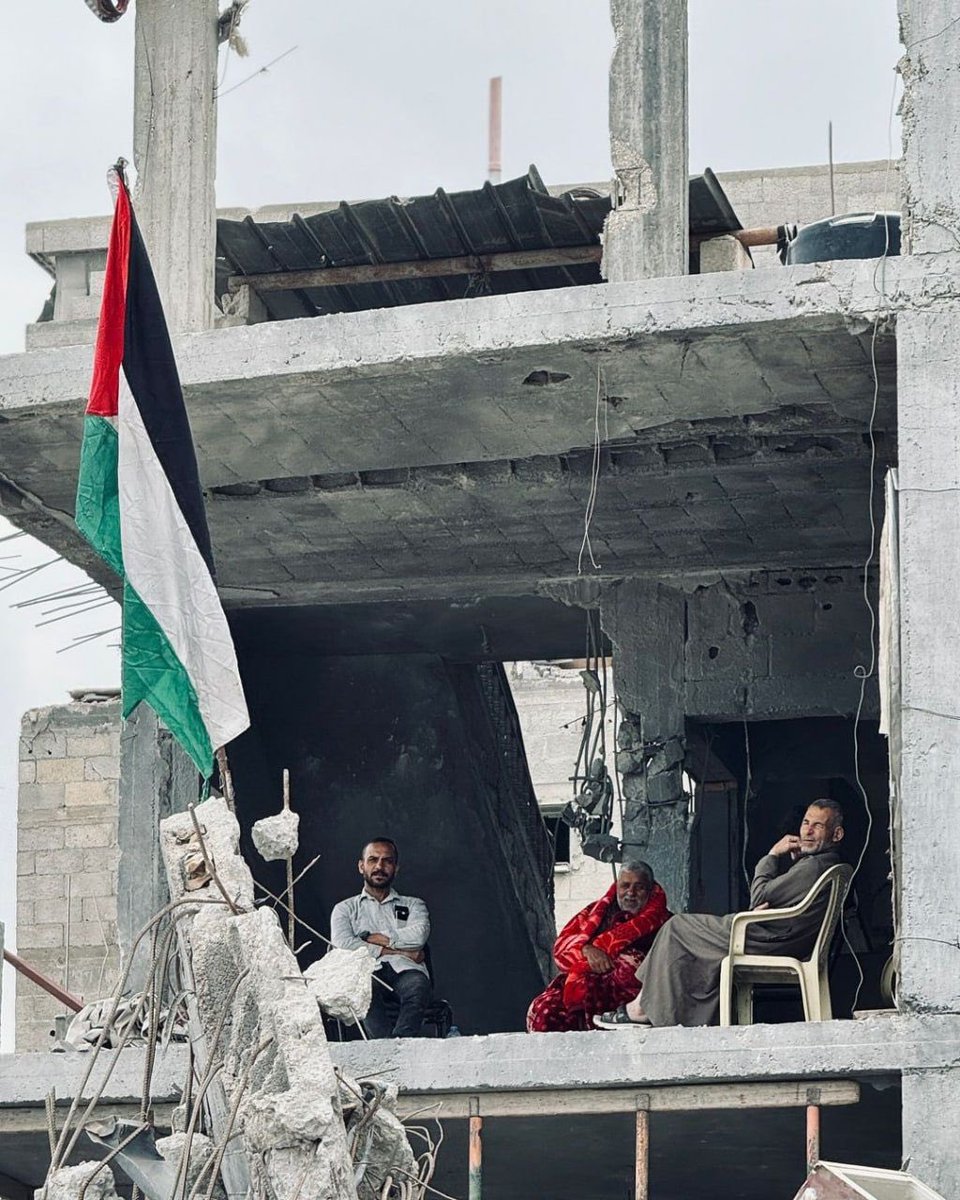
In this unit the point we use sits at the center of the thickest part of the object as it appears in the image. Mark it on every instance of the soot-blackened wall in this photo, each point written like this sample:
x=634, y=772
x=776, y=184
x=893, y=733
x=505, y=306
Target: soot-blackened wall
x=378, y=746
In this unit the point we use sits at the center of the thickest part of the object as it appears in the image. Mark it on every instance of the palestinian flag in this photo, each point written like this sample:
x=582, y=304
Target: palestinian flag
x=140, y=506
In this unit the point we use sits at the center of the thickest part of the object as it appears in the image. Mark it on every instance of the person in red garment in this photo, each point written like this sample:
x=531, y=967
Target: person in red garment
x=598, y=953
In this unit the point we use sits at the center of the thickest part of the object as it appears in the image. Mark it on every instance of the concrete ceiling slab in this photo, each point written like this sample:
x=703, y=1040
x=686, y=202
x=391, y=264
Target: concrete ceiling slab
x=401, y=454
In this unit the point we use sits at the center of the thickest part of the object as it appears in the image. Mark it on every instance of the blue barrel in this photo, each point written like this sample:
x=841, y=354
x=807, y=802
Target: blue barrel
x=857, y=235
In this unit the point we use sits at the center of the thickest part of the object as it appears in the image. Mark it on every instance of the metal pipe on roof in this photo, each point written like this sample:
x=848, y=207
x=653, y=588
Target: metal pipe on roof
x=41, y=980
x=494, y=160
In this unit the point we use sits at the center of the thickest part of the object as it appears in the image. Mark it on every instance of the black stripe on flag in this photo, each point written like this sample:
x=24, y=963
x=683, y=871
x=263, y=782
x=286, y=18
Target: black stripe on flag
x=151, y=372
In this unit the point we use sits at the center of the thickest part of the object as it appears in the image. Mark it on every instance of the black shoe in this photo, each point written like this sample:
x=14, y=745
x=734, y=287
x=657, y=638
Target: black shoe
x=619, y=1019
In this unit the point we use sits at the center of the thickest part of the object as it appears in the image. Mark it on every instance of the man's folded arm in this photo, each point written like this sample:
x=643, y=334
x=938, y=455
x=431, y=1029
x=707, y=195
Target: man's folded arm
x=414, y=933
x=342, y=933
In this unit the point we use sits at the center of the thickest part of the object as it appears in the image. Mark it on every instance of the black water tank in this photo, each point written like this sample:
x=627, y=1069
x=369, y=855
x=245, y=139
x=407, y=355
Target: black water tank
x=857, y=235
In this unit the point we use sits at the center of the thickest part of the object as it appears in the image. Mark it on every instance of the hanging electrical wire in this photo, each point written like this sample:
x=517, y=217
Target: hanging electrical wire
x=586, y=547
x=590, y=812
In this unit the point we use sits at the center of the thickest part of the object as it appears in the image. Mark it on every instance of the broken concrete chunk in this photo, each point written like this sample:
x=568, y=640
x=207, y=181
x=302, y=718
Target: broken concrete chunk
x=68, y=1183
x=342, y=983
x=278, y=836
x=221, y=835
x=378, y=1140
x=171, y=1150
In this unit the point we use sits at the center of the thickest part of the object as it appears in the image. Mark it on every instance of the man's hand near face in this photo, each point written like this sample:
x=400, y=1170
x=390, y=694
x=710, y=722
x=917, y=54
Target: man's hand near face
x=789, y=844
x=598, y=961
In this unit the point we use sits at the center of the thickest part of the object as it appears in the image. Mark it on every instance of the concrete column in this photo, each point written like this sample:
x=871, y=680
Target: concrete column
x=156, y=779
x=928, y=347
x=930, y=110
x=645, y=622
x=930, y=1128
x=928, y=414
x=175, y=150
x=646, y=234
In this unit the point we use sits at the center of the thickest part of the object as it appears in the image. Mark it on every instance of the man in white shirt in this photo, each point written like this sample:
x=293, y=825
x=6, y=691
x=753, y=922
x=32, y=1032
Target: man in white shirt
x=396, y=928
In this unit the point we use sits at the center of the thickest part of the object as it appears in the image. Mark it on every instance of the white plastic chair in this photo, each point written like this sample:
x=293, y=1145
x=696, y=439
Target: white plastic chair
x=739, y=971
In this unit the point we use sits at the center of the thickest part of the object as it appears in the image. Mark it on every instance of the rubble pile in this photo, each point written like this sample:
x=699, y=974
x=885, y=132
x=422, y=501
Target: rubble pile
x=303, y=1130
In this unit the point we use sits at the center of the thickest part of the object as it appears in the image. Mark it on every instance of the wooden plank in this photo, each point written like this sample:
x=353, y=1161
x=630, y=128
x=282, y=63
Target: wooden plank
x=430, y=268
x=689, y=1098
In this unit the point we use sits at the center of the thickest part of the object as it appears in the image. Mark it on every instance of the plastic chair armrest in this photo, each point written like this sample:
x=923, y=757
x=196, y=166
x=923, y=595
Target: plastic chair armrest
x=738, y=926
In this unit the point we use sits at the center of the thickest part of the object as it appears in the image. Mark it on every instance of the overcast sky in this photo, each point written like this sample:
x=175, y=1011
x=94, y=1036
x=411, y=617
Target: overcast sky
x=385, y=97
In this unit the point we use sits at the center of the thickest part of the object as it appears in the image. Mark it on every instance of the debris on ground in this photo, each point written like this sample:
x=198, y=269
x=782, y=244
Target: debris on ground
x=131, y=1024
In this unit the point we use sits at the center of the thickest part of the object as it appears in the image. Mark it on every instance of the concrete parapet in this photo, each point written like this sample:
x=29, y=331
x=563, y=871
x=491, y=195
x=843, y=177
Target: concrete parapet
x=724, y=254
x=880, y=1046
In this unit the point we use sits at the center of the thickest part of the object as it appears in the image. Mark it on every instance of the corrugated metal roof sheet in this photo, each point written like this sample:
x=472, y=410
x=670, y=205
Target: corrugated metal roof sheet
x=517, y=215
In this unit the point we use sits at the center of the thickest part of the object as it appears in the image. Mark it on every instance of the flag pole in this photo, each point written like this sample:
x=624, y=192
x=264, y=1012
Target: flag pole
x=226, y=778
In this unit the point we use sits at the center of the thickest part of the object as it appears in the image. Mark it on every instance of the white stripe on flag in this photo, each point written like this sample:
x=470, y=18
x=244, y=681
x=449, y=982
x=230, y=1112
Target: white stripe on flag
x=166, y=570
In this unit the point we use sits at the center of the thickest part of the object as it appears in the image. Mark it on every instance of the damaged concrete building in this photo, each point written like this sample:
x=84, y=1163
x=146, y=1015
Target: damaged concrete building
x=443, y=435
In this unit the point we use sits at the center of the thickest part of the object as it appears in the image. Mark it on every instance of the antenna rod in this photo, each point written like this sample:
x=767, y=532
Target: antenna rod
x=496, y=128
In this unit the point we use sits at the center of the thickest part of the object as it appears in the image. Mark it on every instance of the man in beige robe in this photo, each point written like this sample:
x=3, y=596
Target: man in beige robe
x=680, y=977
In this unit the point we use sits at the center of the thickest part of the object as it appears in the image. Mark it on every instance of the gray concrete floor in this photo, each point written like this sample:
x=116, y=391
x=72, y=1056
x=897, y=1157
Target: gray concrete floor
x=756, y=1155
x=694, y=1156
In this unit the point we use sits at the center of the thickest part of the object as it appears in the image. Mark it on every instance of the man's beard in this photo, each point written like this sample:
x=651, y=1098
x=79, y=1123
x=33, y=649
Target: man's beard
x=380, y=881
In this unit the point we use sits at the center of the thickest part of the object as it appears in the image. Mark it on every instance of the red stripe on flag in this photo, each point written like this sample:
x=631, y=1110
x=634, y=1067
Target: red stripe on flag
x=108, y=354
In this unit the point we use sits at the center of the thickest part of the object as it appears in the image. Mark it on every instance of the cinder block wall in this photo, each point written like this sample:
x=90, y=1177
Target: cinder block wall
x=802, y=195
x=66, y=844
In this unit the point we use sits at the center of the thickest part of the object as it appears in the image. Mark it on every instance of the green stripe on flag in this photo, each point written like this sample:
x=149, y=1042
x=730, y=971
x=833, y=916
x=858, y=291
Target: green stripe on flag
x=153, y=672
x=98, y=500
